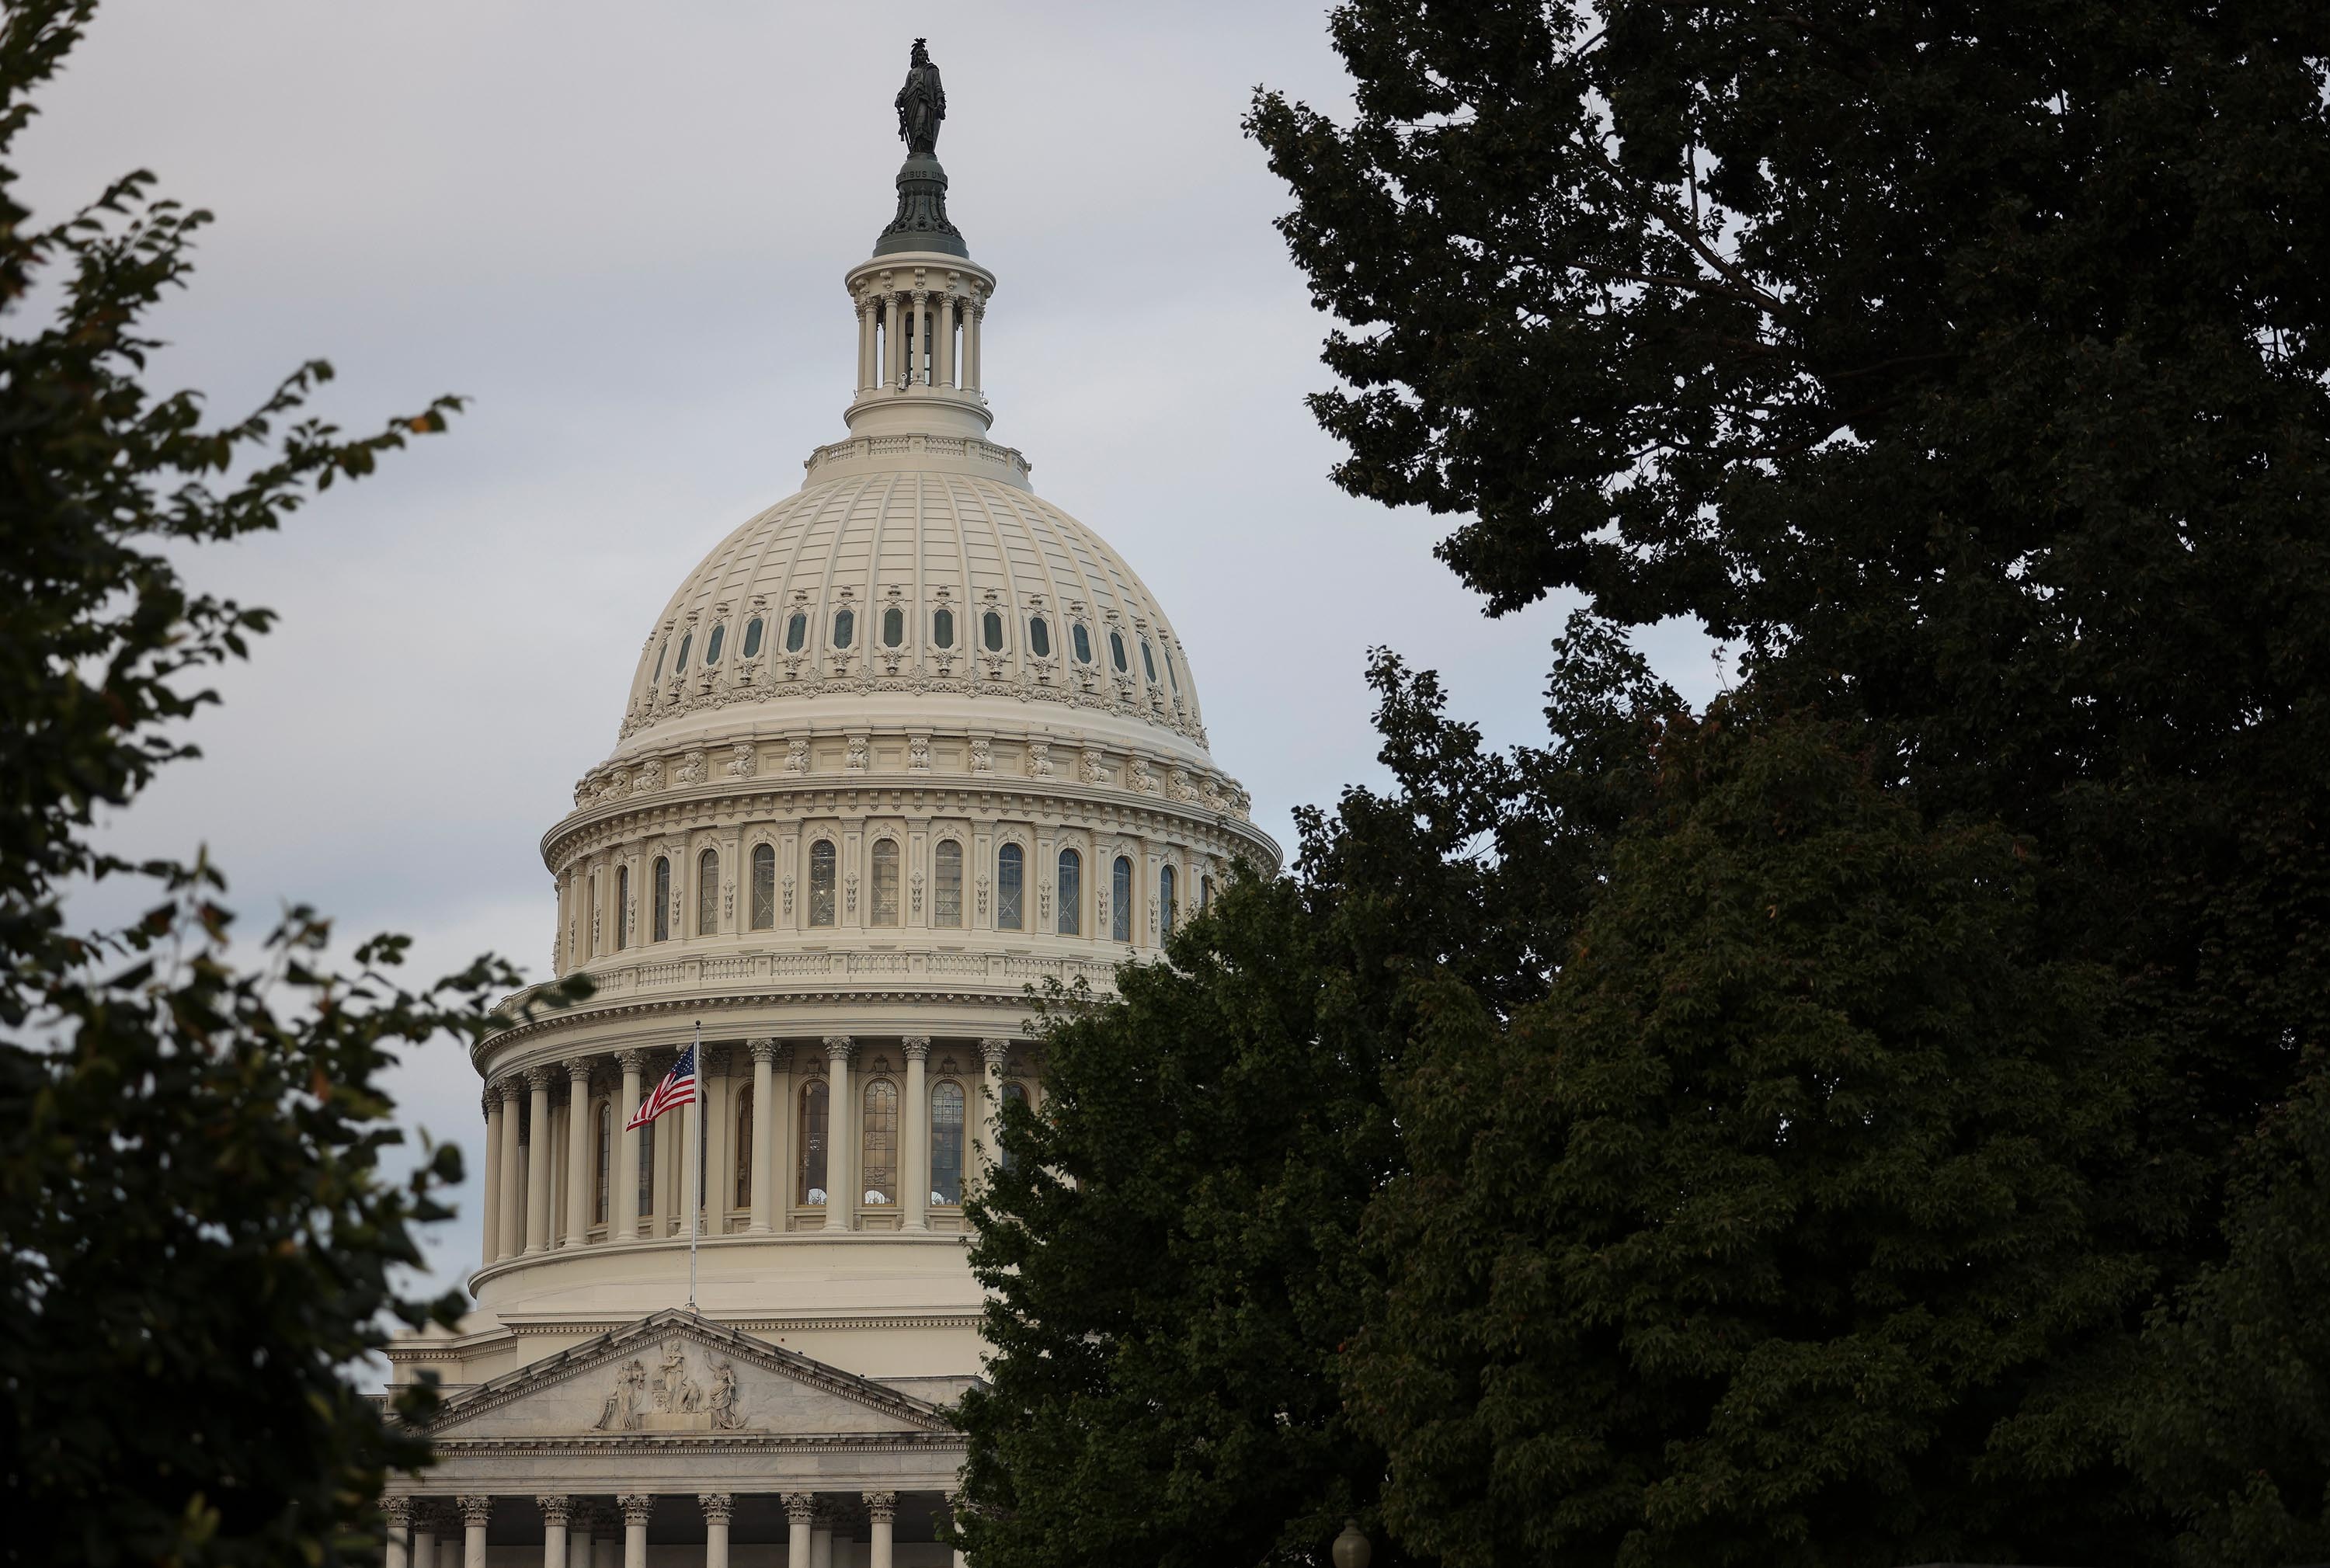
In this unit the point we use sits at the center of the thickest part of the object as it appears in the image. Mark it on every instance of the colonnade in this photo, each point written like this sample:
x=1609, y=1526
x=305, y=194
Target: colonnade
x=576, y=1532
x=892, y=326
x=520, y=1213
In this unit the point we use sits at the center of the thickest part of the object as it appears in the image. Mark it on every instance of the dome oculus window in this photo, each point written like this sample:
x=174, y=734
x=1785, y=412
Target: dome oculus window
x=796, y=632
x=1072, y=893
x=1039, y=637
x=1116, y=652
x=663, y=651
x=751, y=638
x=1082, y=641
x=712, y=645
x=990, y=630
x=1010, y=876
x=845, y=626
x=679, y=666
x=943, y=629
x=1170, y=674
x=1148, y=661
x=893, y=627
x=820, y=882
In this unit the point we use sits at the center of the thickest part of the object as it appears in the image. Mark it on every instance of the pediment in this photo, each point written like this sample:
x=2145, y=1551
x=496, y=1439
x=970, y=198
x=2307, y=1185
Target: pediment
x=678, y=1375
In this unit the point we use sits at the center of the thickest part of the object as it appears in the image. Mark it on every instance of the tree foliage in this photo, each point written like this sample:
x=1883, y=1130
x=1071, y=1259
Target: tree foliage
x=198, y=1237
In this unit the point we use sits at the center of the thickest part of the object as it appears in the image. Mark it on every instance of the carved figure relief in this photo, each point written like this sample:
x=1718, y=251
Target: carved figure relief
x=915, y=881
x=691, y=769
x=648, y=778
x=675, y=1391
x=1180, y=788
x=858, y=754
x=982, y=760
x=743, y=761
x=722, y=1403
x=1093, y=771
x=622, y=1412
x=1142, y=780
x=918, y=754
x=797, y=755
x=1039, y=759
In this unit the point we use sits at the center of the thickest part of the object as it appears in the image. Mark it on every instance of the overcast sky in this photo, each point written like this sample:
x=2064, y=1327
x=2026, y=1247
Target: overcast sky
x=621, y=230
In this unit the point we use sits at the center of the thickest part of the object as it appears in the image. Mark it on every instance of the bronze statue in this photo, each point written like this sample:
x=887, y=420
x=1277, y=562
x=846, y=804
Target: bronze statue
x=921, y=104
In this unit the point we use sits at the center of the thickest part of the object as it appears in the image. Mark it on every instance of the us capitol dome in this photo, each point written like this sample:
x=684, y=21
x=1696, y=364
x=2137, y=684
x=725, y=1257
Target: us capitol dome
x=900, y=748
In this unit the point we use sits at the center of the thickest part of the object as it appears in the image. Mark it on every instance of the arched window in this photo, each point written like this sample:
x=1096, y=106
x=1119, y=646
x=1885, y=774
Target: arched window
x=991, y=628
x=1205, y=893
x=796, y=631
x=878, y=1170
x=751, y=637
x=712, y=644
x=942, y=628
x=590, y=941
x=946, y=884
x=707, y=894
x=743, y=1142
x=646, y=1170
x=662, y=899
x=679, y=665
x=602, y=1170
x=1039, y=637
x=820, y=882
x=1013, y=1089
x=1010, y=863
x=1166, y=887
x=812, y=1144
x=1148, y=661
x=1116, y=652
x=1072, y=893
x=1120, y=900
x=893, y=627
x=663, y=649
x=885, y=882
x=1081, y=640
x=622, y=906
x=845, y=626
x=946, y=1142
x=765, y=886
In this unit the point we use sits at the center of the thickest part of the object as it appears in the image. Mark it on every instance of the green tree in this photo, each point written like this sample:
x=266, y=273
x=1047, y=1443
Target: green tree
x=197, y=1237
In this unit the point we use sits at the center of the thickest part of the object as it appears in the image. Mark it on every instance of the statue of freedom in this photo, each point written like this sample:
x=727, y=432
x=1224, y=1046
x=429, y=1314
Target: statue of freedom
x=921, y=104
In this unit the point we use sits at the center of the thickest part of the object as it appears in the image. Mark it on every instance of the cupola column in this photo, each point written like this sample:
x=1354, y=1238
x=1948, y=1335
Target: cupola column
x=914, y=1156
x=866, y=342
x=840, y=1137
x=970, y=357
x=917, y=330
x=946, y=342
x=626, y=1225
x=892, y=360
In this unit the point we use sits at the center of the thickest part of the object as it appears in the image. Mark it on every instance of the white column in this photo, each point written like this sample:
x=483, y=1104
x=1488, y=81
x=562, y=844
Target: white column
x=892, y=360
x=512, y=1230
x=492, y=1195
x=579, y=1535
x=556, y=1512
x=880, y=1506
x=581, y=1149
x=625, y=1225
x=821, y=1542
x=398, y=1512
x=636, y=1510
x=946, y=341
x=992, y=1053
x=716, y=1506
x=764, y=1107
x=607, y=1538
x=537, y=1162
x=915, y=1135
x=917, y=331
x=474, y=1512
x=840, y=1137
x=800, y=1512
x=954, y=1511
x=970, y=345
x=864, y=345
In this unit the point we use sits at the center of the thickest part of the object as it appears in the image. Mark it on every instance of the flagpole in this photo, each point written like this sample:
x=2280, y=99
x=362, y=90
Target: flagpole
x=694, y=1159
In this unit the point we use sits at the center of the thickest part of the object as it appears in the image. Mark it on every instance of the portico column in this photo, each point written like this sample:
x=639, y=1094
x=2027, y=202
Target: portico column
x=893, y=361
x=764, y=1107
x=556, y=1511
x=474, y=1512
x=607, y=1537
x=579, y=1532
x=880, y=1506
x=716, y=1528
x=955, y=1510
x=581, y=1148
x=840, y=1137
x=992, y=1053
x=625, y=1227
x=800, y=1512
x=636, y=1510
x=398, y=1512
x=914, y=1159
x=820, y=1540
x=945, y=377
x=513, y=1172
x=492, y=1196
x=537, y=1162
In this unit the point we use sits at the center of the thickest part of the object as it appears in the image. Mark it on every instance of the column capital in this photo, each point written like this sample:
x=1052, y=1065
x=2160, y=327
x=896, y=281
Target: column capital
x=636, y=1507
x=490, y=1099
x=475, y=1511
x=717, y=1507
x=541, y=1077
x=995, y=1051
x=579, y=1069
x=880, y=1506
x=631, y=1061
x=838, y=1049
x=763, y=1049
x=556, y=1510
x=513, y=1087
x=801, y=1507
x=397, y=1511
x=917, y=1047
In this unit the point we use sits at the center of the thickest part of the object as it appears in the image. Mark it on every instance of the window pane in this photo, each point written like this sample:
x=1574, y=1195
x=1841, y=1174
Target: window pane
x=946, y=886
x=1205, y=893
x=796, y=633
x=1169, y=674
x=885, y=882
x=946, y=1143
x=992, y=628
x=707, y=894
x=1039, y=638
x=622, y=906
x=712, y=645
x=812, y=1145
x=820, y=882
x=765, y=887
x=662, y=899
x=743, y=1142
x=1148, y=661
x=1116, y=652
x=879, y=1170
x=893, y=627
x=753, y=638
x=1008, y=862
x=845, y=626
x=663, y=650
x=1083, y=641
x=1072, y=893
x=943, y=629
x=1165, y=886
x=1119, y=901
x=681, y=662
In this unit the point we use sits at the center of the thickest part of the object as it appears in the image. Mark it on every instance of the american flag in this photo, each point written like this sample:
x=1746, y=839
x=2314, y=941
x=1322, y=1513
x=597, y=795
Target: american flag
x=678, y=1088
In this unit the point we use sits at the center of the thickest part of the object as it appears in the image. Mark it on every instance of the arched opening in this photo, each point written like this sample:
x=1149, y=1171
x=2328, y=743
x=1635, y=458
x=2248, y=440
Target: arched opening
x=743, y=1144
x=662, y=926
x=1010, y=869
x=946, y=1142
x=1120, y=900
x=1167, y=884
x=812, y=1188
x=707, y=894
x=602, y=1166
x=1072, y=893
x=878, y=1142
x=765, y=886
x=820, y=882
x=885, y=882
x=946, y=884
